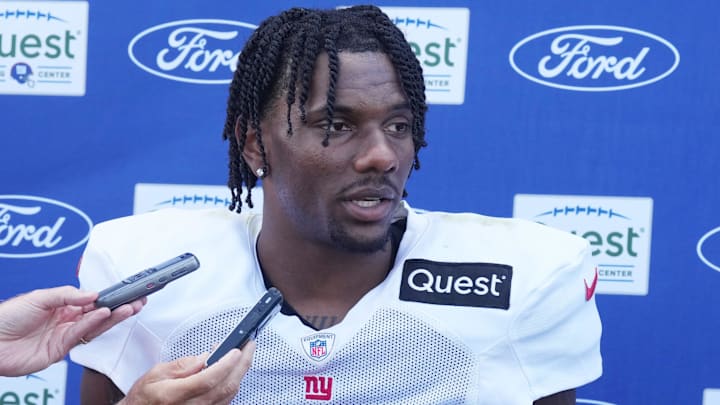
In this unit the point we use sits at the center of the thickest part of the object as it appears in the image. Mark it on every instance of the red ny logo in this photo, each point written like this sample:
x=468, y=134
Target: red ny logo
x=318, y=388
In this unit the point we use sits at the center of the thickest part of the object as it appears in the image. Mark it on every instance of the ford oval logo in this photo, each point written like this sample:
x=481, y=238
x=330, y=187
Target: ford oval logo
x=594, y=58
x=36, y=227
x=708, y=249
x=192, y=51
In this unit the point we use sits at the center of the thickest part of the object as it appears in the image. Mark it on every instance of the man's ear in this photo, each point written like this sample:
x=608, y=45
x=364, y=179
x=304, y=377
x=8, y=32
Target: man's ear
x=251, y=151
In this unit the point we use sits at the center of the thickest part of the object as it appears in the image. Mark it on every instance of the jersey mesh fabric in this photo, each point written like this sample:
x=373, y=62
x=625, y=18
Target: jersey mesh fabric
x=395, y=358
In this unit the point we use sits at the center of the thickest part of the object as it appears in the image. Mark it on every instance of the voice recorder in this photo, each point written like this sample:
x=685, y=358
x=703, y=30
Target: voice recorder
x=147, y=281
x=267, y=307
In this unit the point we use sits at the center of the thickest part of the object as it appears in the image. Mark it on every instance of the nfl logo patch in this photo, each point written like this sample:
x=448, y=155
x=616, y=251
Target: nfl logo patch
x=318, y=346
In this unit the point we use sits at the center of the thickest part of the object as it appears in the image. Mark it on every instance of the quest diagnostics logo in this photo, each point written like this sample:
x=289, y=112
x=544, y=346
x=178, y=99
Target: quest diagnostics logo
x=618, y=230
x=439, y=38
x=594, y=58
x=46, y=387
x=202, y=51
x=43, y=47
x=461, y=284
x=36, y=227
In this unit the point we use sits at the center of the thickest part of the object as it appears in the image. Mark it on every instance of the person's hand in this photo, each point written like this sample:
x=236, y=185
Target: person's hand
x=184, y=381
x=38, y=329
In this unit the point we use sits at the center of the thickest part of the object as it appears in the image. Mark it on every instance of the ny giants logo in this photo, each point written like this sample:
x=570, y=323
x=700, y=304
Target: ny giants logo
x=318, y=388
x=594, y=58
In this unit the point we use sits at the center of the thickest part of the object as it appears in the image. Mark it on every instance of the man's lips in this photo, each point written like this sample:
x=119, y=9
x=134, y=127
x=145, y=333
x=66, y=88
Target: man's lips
x=371, y=194
x=369, y=210
x=370, y=204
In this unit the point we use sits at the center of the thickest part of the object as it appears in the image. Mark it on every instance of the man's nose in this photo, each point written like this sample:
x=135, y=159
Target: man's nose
x=376, y=153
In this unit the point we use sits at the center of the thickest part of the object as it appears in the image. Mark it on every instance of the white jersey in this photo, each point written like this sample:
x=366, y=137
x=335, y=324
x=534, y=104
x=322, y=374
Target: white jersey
x=475, y=310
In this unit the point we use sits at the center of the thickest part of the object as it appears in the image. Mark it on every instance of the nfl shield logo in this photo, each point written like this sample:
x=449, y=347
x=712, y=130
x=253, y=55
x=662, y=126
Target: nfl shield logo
x=318, y=346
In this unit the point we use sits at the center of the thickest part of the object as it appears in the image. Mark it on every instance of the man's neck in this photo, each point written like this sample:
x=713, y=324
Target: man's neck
x=321, y=283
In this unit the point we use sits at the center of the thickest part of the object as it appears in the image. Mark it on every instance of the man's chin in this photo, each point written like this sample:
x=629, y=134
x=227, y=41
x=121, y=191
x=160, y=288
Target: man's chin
x=360, y=245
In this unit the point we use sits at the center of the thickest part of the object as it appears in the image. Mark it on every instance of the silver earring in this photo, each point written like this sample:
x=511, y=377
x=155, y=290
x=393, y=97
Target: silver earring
x=261, y=172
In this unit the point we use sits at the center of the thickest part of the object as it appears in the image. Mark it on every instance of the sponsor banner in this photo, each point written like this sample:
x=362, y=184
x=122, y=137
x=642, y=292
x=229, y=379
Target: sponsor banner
x=708, y=249
x=46, y=387
x=151, y=197
x=205, y=51
x=594, y=58
x=592, y=402
x=618, y=229
x=439, y=36
x=484, y=285
x=201, y=51
x=711, y=396
x=33, y=226
x=43, y=47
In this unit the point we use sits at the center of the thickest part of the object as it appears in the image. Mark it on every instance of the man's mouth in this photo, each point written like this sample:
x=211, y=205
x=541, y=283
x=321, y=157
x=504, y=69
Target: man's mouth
x=367, y=202
x=370, y=206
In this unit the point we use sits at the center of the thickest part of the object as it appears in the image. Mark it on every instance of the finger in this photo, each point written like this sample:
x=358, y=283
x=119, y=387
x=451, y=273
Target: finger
x=138, y=304
x=60, y=296
x=89, y=307
x=239, y=364
x=117, y=315
x=177, y=369
x=242, y=365
x=161, y=379
x=85, y=327
x=67, y=314
x=231, y=370
x=215, y=384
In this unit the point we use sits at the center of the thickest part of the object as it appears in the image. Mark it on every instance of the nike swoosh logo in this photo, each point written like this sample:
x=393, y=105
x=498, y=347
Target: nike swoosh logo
x=589, y=291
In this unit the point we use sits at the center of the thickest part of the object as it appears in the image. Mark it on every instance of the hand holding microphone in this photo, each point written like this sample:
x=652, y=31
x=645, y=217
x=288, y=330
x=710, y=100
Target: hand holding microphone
x=38, y=329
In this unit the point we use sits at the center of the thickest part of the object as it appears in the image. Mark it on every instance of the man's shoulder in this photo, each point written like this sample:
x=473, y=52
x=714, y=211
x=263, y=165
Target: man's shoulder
x=473, y=237
x=173, y=227
x=473, y=225
x=170, y=218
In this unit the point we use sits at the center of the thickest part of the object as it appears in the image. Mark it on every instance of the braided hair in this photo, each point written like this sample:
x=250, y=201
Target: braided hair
x=278, y=59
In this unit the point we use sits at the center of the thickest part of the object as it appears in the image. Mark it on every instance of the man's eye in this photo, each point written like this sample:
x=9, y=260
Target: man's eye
x=337, y=126
x=399, y=127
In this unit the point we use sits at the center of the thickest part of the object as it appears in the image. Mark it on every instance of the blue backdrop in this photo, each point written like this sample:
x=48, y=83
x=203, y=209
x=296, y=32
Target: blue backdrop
x=635, y=118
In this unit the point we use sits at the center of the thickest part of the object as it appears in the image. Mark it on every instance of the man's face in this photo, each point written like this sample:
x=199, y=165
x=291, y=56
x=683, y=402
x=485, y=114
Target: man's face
x=343, y=195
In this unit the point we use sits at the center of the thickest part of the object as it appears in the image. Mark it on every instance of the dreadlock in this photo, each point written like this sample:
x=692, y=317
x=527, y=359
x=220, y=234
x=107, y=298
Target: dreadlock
x=279, y=58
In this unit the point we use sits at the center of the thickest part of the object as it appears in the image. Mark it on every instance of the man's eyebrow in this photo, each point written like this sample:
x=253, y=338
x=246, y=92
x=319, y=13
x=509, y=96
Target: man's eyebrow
x=349, y=109
x=320, y=111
